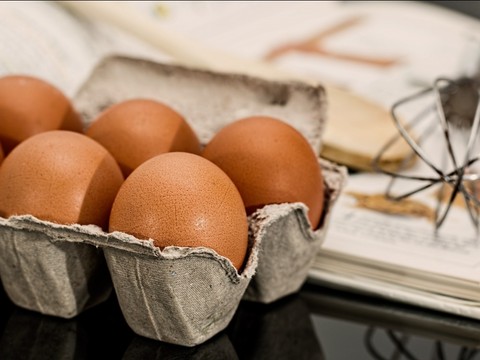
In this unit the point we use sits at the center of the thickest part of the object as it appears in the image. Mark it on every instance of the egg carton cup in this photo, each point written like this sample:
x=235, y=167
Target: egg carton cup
x=41, y=270
x=288, y=243
x=179, y=295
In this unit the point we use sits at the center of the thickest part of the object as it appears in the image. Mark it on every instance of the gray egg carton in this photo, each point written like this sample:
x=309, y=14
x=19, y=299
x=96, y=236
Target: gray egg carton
x=178, y=295
x=43, y=271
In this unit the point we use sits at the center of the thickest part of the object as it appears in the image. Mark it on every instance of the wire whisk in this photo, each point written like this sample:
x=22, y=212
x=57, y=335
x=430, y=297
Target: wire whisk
x=449, y=112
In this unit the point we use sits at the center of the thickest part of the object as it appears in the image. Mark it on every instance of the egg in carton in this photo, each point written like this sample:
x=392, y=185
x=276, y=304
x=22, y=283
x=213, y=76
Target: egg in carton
x=280, y=233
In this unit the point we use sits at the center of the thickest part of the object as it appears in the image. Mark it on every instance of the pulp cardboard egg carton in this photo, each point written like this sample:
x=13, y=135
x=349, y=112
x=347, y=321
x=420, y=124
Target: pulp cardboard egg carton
x=42, y=270
x=178, y=295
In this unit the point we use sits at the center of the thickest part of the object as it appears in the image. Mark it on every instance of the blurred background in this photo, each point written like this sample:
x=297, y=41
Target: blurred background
x=471, y=8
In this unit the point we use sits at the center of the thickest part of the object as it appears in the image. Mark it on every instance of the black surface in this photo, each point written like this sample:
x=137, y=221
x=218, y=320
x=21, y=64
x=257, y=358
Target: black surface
x=316, y=323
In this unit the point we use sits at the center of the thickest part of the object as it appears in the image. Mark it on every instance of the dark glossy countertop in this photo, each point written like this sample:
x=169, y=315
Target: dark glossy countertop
x=316, y=323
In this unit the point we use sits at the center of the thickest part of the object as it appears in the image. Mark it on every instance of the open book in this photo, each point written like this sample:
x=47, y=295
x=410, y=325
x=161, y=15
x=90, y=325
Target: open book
x=379, y=51
x=399, y=256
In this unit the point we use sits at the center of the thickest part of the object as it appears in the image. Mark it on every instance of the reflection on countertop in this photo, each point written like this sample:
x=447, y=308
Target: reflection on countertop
x=316, y=323
x=380, y=329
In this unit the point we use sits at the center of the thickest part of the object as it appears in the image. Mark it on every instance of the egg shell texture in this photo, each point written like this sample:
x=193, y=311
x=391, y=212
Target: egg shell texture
x=60, y=176
x=270, y=163
x=136, y=130
x=181, y=199
x=29, y=106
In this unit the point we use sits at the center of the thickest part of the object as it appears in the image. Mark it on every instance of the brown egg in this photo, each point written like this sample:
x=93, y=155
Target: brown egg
x=182, y=199
x=29, y=106
x=60, y=176
x=137, y=130
x=270, y=162
x=1, y=154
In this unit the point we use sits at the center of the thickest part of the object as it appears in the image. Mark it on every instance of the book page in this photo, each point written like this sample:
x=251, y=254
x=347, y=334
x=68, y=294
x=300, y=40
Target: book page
x=380, y=50
x=396, y=293
x=404, y=239
x=337, y=42
x=41, y=38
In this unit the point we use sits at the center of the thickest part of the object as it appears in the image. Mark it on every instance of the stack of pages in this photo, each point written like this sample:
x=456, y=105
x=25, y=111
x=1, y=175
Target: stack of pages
x=401, y=257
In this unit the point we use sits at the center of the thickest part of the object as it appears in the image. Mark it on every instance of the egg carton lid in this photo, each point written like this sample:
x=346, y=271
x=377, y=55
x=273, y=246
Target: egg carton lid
x=208, y=100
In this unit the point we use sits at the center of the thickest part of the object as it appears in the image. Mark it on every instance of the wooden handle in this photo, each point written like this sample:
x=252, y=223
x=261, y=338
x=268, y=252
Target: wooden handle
x=182, y=49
